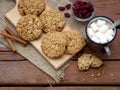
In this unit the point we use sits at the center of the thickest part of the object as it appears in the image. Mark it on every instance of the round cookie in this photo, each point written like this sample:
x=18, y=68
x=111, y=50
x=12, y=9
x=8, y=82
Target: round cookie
x=53, y=44
x=75, y=42
x=52, y=20
x=35, y=7
x=29, y=27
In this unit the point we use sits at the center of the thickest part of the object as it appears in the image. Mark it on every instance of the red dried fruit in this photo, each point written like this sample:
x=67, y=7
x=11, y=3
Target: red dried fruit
x=80, y=15
x=91, y=9
x=84, y=3
x=84, y=12
x=61, y=8
x=68, y=6
x=88, y=15
x=67, y=15
x=82, y=9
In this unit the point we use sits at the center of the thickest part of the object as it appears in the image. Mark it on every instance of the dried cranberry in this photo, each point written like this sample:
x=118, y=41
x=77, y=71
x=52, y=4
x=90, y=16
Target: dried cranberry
x=80, y=15
x=84, y=12
x=91, y=9
x=85, y=3
x=68, y=6
x=90, y=5
x=67, y=15
x=61, y=8
x=76, y=14
x=88, y=15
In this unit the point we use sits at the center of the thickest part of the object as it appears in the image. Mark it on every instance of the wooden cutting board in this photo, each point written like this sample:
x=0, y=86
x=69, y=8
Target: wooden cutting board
x=13, y=16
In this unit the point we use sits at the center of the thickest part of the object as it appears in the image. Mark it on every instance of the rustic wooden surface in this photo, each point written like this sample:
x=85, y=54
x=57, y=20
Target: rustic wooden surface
x=16, y=71
x=60, y=88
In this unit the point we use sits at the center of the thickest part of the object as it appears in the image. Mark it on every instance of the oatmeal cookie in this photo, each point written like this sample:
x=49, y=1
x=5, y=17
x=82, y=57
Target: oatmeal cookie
x=75, y=42
x=35, y=7
x=53, y=44
x=29, y=27
x=88, y=60
x=52, y=21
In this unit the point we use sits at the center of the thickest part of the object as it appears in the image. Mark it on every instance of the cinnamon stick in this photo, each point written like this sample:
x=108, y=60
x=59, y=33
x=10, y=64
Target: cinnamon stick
x=12, y=46
x=10, y=31
x=14, y=37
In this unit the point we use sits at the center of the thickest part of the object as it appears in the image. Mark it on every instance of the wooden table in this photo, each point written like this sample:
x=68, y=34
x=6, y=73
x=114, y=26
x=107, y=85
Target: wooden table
x=18, y=73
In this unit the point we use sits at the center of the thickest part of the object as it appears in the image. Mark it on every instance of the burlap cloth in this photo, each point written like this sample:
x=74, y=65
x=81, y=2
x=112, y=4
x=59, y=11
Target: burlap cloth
x=29, y=52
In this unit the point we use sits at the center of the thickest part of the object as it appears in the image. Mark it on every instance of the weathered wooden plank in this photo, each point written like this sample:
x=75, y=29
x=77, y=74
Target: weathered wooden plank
x=10, y=56
x=4, y=49
x=24, y=73
x=60, y=88
x=109, y=8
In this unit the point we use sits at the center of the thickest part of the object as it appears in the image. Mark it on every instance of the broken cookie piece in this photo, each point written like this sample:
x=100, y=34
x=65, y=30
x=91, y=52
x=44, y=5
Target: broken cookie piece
x=88, y=60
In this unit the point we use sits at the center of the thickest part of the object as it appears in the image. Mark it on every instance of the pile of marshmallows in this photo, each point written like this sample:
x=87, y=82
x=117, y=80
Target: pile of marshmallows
x=99, y=31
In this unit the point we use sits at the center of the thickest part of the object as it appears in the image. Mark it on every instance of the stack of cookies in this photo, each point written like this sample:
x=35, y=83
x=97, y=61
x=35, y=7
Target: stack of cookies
x=37, y=20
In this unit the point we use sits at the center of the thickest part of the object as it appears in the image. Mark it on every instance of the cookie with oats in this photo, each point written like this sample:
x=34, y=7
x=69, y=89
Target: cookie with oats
x=52, y=20
x=29, y=27
x=35, y=7
x=75, y=41
x=88, y=60
x=53, y=44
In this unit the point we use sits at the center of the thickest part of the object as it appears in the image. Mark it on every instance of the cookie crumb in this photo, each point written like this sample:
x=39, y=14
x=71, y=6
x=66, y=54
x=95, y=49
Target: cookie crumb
x=98, y=74
x=92, y=75
x=112, y=74
x=83, y=79
x=95, y=78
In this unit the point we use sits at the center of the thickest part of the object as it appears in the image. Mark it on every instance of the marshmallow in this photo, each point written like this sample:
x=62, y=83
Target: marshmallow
x=98, y=34
x=94, y=26
x=103, y=39
x=100, y=22
x=110, y=32
x=103, y=28
x=95, y=39
x=90, y=32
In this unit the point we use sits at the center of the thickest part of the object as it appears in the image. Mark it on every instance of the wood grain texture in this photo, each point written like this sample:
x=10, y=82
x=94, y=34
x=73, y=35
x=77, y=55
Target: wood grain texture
x=4, y=49
x=10, y=56
x=107, y=8
x=60, y=88
x=24, y=73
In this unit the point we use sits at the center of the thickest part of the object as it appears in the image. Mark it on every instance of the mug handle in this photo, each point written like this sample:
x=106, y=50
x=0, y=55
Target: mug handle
x=107, y=50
